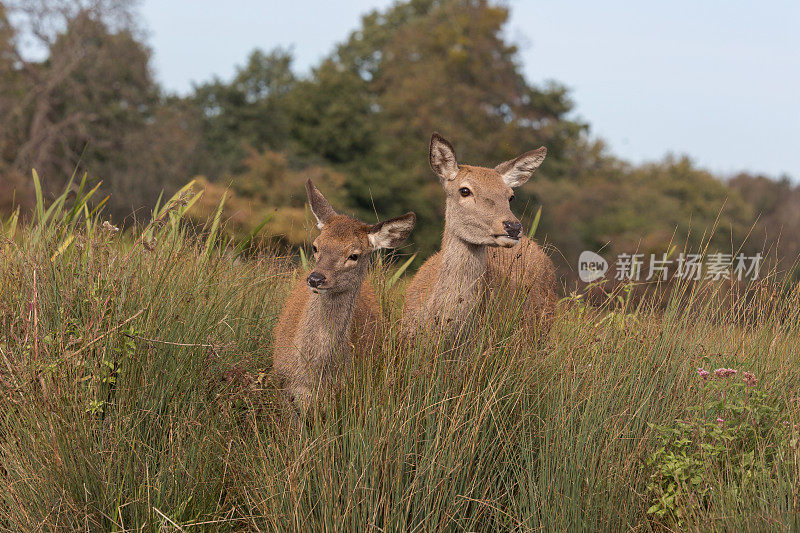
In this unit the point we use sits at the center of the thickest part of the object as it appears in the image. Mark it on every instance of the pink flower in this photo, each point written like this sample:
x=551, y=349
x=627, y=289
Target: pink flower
x=749, y=379
x=703, y=373
x=722, y=373
x=720, y=420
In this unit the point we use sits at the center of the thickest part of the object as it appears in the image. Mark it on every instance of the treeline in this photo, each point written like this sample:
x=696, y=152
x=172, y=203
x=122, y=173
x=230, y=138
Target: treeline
x=358, y=124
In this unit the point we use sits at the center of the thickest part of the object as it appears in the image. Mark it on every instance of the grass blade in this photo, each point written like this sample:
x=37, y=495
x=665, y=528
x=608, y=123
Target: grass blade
x=245, y=244
x=535, y=223
x=396, y=276
x=303, y=259
x=63, y=246
x=37, y=187
x=212, y=236
x=10, y=227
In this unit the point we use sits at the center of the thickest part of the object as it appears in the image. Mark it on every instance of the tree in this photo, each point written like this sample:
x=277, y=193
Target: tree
x=13, y=187
x=268, y=186
x=331, y=116
x=776, y=207
x=91, y=104
x=42, y=121
x=246, y=113
x=421, y=66
x=607, y=205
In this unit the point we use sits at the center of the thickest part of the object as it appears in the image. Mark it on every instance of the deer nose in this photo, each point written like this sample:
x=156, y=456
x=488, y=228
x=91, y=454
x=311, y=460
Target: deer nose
x=512, y=228
x=315, y=279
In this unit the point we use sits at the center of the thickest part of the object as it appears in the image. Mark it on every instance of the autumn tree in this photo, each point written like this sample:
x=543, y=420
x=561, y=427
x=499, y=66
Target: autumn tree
x=421, y=66
x=90, y=104
x=76, y=92
x=776, y=210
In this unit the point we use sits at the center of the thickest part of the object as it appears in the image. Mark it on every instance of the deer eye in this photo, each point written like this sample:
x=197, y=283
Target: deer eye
x=463, y=191
x=313, y=248
x=353, y=257
x=511, y=198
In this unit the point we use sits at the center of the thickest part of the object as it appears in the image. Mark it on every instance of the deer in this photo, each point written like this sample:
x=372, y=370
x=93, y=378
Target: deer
x=483, y=249
x=331, y=315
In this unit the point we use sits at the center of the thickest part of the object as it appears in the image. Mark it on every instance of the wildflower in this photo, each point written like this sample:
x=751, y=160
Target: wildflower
x=110, y=227
x=720, y=420
x=749, y=379
x=722, y=373
x=702, y=373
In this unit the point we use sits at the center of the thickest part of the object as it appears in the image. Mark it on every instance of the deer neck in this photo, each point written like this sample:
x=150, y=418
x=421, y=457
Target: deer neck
x=461, y=276
x=325, y=326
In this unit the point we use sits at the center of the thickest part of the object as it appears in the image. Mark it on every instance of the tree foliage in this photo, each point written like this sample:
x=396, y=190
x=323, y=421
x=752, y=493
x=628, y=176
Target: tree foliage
x=418, y=67
x=359, y=123
x=91, y=104
x=247, y=112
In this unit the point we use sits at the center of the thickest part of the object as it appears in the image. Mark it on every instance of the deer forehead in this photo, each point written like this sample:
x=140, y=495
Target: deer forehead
x=482, y=181
x=343, y=233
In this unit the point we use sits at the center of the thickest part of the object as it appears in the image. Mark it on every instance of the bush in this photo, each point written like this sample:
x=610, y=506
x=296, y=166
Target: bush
x=730, y=440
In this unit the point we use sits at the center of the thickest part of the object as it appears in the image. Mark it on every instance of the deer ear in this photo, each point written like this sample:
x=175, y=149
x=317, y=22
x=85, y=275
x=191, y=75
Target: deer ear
x=391, y=233
x=319, y=205
x=516, y=172
x=443, y=158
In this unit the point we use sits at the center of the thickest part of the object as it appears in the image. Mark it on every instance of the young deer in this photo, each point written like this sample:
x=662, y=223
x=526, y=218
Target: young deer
x=331, y=314
x=483, y=247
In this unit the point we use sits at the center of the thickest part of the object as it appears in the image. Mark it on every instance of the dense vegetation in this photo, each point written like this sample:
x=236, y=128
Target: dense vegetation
x=358, y=124
x=135, y=394
x=135, y=363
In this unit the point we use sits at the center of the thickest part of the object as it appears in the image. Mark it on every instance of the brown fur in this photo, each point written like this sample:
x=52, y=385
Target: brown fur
x=526, y=271
x=305, y=363
x=476, y=254
x=331, y=315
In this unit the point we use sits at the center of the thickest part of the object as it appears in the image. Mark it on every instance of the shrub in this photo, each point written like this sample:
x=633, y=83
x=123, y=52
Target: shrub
x=729, y=440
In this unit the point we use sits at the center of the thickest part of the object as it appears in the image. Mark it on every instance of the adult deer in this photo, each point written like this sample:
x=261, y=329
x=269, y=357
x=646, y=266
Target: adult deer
x=483, y=248
x=331, y=314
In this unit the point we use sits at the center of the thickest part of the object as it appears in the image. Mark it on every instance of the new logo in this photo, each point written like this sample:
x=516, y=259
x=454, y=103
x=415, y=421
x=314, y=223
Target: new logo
x=591, y=266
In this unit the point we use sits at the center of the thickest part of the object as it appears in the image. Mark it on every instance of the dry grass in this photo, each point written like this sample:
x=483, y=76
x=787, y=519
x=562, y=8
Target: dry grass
x=136, y=396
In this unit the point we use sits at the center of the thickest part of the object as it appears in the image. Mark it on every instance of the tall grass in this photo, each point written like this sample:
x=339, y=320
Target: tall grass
x=136, y=395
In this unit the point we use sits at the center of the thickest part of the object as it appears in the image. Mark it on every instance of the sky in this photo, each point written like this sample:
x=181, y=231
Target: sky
x=718, y=80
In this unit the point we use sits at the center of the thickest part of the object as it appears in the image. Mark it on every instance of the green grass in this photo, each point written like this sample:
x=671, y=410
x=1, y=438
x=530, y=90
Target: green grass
x=135, y=394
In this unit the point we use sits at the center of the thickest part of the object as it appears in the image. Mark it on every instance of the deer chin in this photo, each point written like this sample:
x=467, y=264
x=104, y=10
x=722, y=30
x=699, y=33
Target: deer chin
x=504, y=241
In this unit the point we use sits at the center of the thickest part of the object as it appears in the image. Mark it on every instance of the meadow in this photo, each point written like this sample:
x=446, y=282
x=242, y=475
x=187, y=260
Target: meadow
x=136, y=395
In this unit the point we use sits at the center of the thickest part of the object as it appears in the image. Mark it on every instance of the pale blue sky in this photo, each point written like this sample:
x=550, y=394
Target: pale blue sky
x=715, y=79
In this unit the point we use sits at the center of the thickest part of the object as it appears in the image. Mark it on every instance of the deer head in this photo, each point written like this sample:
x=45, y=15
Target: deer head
x=478, y=198
x=342, y=249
